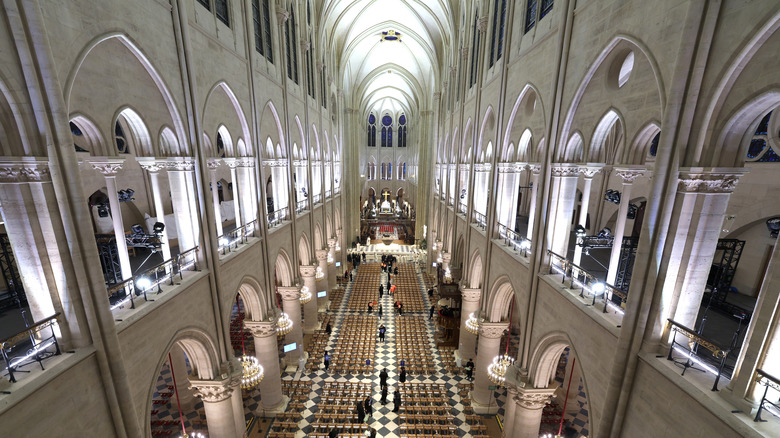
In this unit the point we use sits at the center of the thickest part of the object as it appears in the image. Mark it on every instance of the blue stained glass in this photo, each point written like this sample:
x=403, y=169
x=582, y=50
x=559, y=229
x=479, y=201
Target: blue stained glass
x=384, y=137
x=387, y=120
x=75, y=130
x=756, y=146
x=389, y=137
x=371, y=119
x=547, y=6
x=402, y=120
x=763, y=127
x=769, y=157
x=530, y=15
x=654, y=144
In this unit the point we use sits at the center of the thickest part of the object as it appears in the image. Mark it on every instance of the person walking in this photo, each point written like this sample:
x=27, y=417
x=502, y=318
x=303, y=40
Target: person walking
x=400, y=308
x=360, y=411
x=433, y=309
x=326, y=361
x=470, y=369
x=383, y=378
x=364, y=257
x=379, y=311
x=381, y=291
x=382, y=332
x=396, y=401
x=328, y=328
x=402, y=377
x=383, y=400
x=368, y=405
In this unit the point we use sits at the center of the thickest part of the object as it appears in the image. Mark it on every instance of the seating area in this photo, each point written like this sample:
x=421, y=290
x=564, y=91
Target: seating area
x=447, y=358
x=318, y=343
x=337, y=409
x=297, y=390
x=365, y=287
x=413, y=347
x=408, y=289
x=356, y=344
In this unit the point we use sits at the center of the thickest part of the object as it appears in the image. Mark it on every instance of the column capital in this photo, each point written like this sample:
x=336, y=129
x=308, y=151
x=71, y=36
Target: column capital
x=282, y=15
x=470, y=295
x=464, y=53
x=213, y=163
x=533, y=398
x=446, y=257
x=152, y=164
x=322, y=254
x=289, y=293
x=565, y=170
x=331, y=243
x=629, y=174
x=108, y=166
x=181, y=164
x=709, y=180
x=305, y=46
x=492, y=330
x=261, y=329
x=590, y=170
x=536, y=168
x=482, y=24
x=212, y=391
x=308, y=271
x=437, y=95
x=24, y=170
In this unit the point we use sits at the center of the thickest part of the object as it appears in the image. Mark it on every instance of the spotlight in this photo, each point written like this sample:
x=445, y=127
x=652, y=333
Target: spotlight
x=612, y=196
x=126, y=195
x=598, y=288
x=137, y=229
x=158, y=227
x=579, y=231
x=102, y=210
x=143, y=283
x=605, y=232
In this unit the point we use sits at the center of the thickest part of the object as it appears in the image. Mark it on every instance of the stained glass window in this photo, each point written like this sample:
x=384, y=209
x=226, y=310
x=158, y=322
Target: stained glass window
x=763, y=126
x=390, y=137
x=384, y=137
x=530, y=15
x=120, y=139
x=221, y=8
x=257, y=20
x=371, y=130
x=269, y=51
x=760, y=148
x=654, y=144
x=205, y=4
x=75, y=130
x=757, y=146
x=547, y=6
x=387, y=120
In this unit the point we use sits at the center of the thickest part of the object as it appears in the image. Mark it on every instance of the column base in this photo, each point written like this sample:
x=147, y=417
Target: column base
x=271, y=411
x=458, y=360
x=324, y=307
x=484, y=409
x=294, y=365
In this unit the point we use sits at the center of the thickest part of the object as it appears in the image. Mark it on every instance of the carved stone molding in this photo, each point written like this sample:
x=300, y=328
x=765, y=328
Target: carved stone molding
x=151, y=164
x=282, y=15
x=322, y=254
x=628, y=175
x=446, y=257
x=482, y=24
x=471, y=295
x=565, y=170
x=107, y=166
x=589, y=171
x=536, y=168
x=213, y=163
x=261, y=329
x=271, y=163
x=290, y=293
x=332, y=243
x=212, y=391
x=709, y=181
x=533, y=398
x=492, y=330
x=437, y=95
x=181, y=164
x=244, y=162
x=24, y=171
x=305, y=46
x=308, y=271
x=464, y=53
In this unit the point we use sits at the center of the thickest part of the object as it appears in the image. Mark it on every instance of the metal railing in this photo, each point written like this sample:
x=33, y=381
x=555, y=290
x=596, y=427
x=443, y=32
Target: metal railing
x=317, y=198
x=516, y=241
x=328, y=194
x=587, y=282
x=301, y=206
x=30, y=345
x=769, y=381
x=480, y=219
x=690, y=349
x=277, y=217
x=236, y=237
x=462, y=208
x=145, y=282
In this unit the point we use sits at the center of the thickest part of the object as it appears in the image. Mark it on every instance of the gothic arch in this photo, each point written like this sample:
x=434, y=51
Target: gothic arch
x=213, y=94
x=283, y=269
x=93, y=138
x=475, y=270
x=271, y=123
x=488, y=122
x=251, y=294
x=304, y=251
x=499, y=299
x=531, y=105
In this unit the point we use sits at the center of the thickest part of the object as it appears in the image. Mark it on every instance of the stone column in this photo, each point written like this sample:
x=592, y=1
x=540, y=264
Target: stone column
x=232, y=164
x=339, y=243
x=628, y=175
x=264, y=333
x=216, y=396
x=588, y=172
x=310, y=309
x=153, y=166
x=697, y=219
x=564, y=178
x=291, y=303
x=529, y=403
x=245, y=172
x=109, y=167
x=487, y=349
x=321, y=276
x=467, y=342
x=535, y=170
x=180, y=198
x=237, y=400
x=331, y=264
x=213, y=163
x=510, y=409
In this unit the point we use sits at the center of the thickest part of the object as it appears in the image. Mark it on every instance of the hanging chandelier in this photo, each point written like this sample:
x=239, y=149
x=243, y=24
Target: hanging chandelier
x=284, y=325
x=501, y=363
x=251, y=370
x=305, y=295
x=472, y=324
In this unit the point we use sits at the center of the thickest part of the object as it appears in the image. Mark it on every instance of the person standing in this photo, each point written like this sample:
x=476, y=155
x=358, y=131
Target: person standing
x=370, y=308
x=381, y=291
x=433, y=309
x=400, y=308
x=361, y=411
x=383, y=378
x=326, y=361
x=396, y=401
x=379, y=311
x=382, y=332
x=383, y=400
x=368, y=405
x=470, y=369
x=402, y=377
x=328, y=328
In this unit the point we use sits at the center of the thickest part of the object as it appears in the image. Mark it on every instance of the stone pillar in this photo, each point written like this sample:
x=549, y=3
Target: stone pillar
x=231, y=163
x=186, y=397
x=697, y=219
x=180, y=198
x=109, y=168
x=216, y=396
x=339, y=243
x=237, y=400
x=310, y=309
x=331, y=264
x=213, y=163
x=588, y=172
x=510, y=409
x=564, y=179
x=291, y=303
x=487, y=349
x=245, y=173
x=153, y=166
x=321, y=276
x=628, y=175
x=529, y=403
x=264, y=333
x=535, y=170
x=467, y=342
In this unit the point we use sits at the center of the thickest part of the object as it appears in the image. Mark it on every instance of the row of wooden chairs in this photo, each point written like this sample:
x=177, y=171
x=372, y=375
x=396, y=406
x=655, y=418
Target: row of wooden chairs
x=413, y=346
x=342, y=428
x=356, y=344
x=436, y=429
x=408, y=289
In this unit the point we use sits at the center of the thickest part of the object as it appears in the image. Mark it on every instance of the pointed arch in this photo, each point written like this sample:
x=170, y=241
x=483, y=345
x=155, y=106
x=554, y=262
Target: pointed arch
x=224, y=87
x=304, y=250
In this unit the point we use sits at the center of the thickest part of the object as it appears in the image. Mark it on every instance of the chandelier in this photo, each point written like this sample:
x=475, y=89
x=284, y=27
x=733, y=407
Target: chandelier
x=472, y=324
x=501, y=363
x=251, y=370
x=305, y=295
x=319, y=273
x=284, y=325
